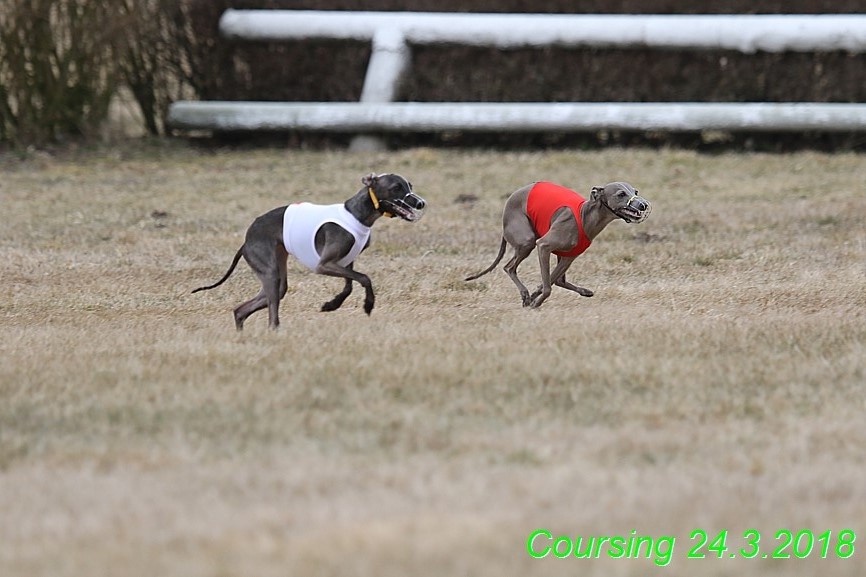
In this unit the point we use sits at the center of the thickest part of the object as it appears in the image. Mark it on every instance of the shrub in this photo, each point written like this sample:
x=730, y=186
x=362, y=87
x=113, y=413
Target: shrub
x=63, y=61
x=57, y=72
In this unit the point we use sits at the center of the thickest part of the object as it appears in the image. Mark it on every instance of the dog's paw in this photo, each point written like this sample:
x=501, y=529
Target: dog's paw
x=330, y=306
x=538, y=299
x=368, y=307
x=584, y=292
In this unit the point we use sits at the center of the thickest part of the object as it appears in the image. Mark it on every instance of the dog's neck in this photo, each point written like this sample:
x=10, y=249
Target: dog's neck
x=361, y=207
x=595, y=217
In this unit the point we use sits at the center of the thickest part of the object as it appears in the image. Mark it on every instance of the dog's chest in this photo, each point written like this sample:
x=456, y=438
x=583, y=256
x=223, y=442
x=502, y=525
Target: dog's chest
x=303, y=219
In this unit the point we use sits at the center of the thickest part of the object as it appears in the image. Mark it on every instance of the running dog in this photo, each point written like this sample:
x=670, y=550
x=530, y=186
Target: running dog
x=558, y=220
x=325, y=238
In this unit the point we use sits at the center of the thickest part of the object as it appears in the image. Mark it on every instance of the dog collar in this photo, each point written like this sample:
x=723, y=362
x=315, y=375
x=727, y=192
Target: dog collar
x=375, y=200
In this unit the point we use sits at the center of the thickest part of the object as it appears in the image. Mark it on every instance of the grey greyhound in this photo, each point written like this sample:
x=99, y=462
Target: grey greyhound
x=325, y=238
x=558, y=220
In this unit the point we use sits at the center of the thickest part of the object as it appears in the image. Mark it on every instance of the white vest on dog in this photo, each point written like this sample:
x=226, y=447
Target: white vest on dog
x=303, y=219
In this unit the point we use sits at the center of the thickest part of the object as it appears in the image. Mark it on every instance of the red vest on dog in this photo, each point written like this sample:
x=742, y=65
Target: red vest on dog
x=544, y=199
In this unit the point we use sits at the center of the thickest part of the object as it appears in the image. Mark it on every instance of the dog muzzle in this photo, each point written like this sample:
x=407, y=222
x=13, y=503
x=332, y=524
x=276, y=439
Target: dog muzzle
x=635, y=211
x=410, y=207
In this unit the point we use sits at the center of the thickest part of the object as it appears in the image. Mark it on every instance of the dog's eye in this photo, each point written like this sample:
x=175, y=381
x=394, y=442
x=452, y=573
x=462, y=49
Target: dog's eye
x=621, y=193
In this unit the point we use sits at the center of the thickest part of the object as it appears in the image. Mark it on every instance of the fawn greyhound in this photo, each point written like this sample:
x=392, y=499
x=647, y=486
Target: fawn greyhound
x=560, y=221
x=325, y=238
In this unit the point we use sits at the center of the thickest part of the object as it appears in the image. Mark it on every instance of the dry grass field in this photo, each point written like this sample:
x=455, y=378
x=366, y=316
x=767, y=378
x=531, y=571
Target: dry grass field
x=717, y=380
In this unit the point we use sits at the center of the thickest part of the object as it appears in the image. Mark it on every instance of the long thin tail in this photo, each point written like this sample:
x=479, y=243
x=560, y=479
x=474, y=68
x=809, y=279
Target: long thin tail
x=492, y=266
x=227, y=275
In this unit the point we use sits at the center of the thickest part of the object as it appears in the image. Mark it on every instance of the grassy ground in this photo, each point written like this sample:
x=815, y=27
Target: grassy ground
x=715, y=382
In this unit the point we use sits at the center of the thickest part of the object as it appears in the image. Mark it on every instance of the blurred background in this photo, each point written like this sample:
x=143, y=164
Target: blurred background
x=84, y=70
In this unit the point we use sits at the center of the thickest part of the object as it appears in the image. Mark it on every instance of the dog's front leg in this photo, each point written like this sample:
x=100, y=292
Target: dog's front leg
x=557, y=276
x=338, y=300
x=333, y=243
x=544, y=253
x=561, y=237
x=561, y=282
x=330, y=268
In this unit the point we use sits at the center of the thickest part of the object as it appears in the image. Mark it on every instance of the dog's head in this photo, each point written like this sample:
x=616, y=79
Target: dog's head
x=392, y=195
x=623, y=200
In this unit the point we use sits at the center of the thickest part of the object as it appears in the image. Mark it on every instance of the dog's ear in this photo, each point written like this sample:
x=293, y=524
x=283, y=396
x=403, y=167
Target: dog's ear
x=370, y=180
x=596, y=191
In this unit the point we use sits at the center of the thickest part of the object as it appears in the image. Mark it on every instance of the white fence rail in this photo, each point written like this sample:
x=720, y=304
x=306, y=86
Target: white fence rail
x=745, y=33
x=516, y=117
x=393, y=33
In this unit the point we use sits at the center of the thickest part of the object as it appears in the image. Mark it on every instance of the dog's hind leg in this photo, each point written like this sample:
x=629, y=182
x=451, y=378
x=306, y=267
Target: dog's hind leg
x=259, y=302
x=518, y=232
x=520, y=254
x=243, y=310
x=268, y=261
x=276, y=285
x=273, y=288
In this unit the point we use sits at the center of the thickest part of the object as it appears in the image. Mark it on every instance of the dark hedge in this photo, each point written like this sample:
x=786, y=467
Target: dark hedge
x=334, y=71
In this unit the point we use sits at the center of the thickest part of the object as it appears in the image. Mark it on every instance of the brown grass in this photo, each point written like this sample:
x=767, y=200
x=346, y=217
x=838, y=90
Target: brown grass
x=715, y=381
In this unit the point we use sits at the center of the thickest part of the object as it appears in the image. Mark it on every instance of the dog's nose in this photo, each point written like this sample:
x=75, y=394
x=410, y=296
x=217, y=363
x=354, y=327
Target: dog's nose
x=421, y=204
x=641, y=205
